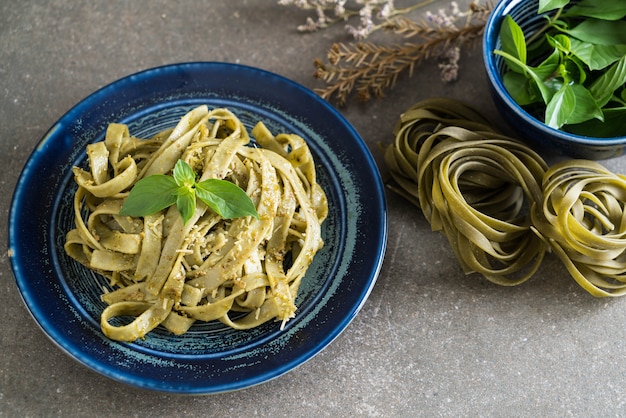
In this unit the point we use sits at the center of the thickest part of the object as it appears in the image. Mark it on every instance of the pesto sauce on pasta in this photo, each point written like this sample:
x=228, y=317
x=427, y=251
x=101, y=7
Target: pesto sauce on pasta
x=163, y=271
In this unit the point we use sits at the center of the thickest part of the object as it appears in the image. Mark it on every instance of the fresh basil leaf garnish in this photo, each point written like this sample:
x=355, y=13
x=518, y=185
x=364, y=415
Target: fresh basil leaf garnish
x=158, y=191
x=225, y=198
x=150, y=195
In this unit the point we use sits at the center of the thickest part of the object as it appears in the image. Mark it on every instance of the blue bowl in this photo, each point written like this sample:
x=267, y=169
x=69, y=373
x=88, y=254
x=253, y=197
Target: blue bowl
x=524, y=12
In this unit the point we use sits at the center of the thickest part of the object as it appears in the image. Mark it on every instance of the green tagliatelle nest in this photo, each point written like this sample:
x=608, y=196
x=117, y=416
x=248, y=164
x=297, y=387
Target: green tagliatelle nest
x=584, y=219
x=501, y=206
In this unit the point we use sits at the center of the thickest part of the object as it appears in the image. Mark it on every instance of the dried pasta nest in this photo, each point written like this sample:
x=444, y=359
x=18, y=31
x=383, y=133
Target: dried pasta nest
x=501, y=206
x=584, y=218
x=473, y=184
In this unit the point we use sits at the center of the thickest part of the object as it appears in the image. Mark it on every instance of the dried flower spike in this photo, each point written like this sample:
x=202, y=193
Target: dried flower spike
x=371, y=14
x=368, y=69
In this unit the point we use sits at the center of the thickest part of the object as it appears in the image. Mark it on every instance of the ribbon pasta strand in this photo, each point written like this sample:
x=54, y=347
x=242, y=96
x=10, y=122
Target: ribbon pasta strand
x=583, y=216
x=472, y=184
x=499, y=204
x=163, y=272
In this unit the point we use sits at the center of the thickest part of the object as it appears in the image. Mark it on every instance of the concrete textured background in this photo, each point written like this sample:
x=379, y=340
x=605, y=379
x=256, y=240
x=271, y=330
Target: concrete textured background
x=429, y=341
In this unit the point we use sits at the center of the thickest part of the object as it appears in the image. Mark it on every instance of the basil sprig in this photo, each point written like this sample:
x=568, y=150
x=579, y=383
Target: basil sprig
x=572, y=72
x=159, y=191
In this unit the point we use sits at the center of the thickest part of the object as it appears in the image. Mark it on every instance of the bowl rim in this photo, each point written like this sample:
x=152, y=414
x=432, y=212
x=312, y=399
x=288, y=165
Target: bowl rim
x=490, y=37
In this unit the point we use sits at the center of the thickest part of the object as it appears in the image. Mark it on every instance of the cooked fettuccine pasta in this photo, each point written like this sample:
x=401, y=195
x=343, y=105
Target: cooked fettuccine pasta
x=163, y=271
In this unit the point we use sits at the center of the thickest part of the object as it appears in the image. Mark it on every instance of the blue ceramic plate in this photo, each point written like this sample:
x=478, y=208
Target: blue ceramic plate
x=64, y=298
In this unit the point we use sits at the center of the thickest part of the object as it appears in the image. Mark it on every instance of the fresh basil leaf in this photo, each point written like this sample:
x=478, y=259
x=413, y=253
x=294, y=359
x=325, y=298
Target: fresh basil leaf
x=159, y=191
x=227, y=199
x=585, y=107
x=597, y=57
x=576, y=69
x=611, y=126
x=546, y=94
x=560, y=107
x=569, y=66
x=562, y=74
x=547, y=5
x=184, y=174
x=554, y=84
x=549, y=66
x=605, y=9
x=186, y=203
x=520, y=88
x=600, y=32
x=613, y=78
x=513, y=42
x=560, y=41
x=150, y=195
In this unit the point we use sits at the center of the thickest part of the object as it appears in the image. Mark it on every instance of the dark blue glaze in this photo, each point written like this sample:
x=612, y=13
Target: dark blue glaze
x=63, y=297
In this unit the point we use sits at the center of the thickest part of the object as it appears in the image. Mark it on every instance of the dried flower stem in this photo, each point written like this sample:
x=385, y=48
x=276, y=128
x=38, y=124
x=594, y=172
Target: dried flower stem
x=370, y=69
x=330, y=12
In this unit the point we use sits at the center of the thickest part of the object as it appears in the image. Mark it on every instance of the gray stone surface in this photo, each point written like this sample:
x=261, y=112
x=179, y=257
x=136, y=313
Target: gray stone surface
x=428, y=342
